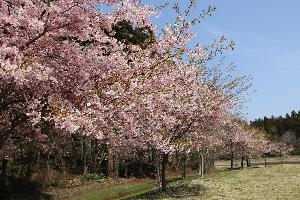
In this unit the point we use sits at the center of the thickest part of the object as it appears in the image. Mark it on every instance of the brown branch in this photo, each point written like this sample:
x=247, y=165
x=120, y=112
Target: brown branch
x=46, y=30
x=34, y=39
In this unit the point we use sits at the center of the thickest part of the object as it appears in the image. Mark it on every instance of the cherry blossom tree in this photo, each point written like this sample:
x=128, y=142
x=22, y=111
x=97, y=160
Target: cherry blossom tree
x=64, y=51
x=67, y=64
x=107, y=75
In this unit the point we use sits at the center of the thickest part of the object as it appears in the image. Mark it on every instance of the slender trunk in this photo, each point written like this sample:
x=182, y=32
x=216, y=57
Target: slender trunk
x=98, y=162
x=85, y=168
x=83, y=156
x=242, y=162
x=48, y=164
x=4, y=167
x=62, y=164
x=212, y=164
x=184, y=167
x=110, y=163
x=200, y=172
x=231, y=162
x=158, y=173
x=202, y=165
x=29, y=170
x=141, y=172
x=95, y=155
x=265, y=162
x=30, y=162
x=56, y=163
x=47, y=173
x=113, y=164
x=126, y=171
x=38, y=160
x=22, y=173
x=163, y=172
x=248, y=162
x=82, y=149
x=157, y=160
x=205, y=165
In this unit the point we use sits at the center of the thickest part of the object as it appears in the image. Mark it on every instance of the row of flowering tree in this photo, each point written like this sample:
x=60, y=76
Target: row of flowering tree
x=69, y=68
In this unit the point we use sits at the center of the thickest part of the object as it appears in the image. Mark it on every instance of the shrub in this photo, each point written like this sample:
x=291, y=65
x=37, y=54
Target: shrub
x=97, y=177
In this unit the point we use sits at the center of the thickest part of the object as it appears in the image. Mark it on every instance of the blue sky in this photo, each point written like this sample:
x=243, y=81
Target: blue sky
x=267, y=37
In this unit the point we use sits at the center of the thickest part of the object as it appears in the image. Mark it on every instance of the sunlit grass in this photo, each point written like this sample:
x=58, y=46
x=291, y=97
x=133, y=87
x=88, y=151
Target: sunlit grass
x=261, y=183
x=273, y=182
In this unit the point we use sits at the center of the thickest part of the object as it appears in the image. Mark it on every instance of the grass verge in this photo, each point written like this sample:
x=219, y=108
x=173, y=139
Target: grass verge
x=114, y=192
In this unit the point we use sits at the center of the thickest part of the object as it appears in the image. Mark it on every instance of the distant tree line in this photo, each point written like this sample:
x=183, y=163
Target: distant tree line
x=285, y=128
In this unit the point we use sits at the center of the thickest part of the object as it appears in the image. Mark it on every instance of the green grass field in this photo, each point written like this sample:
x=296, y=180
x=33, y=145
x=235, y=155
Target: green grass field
x=273, y=182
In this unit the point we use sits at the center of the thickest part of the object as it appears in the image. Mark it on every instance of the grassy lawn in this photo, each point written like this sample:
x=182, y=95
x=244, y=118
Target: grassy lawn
x=273, y=182
x=116, y=191
x=133, y=190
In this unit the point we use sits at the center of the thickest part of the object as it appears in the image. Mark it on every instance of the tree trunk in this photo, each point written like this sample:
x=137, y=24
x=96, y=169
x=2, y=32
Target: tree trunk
x=231, y=162
x=85, y=168
x=242, y=162
x=184, y=167
x=48, y=163
x=140, y=163
x=126, y=172
x=84, y=155
x=200, y=172
x=248, y=162
x=38, y=160
x=265, y=162
x=163, y=172
x=141, y=172
x=206, y=165
x=113, y=164
x=29, y=169
x=63, y=165
x=157, y=160
x=201, y=165
x=212, y=164
x=158, y=173
x=4, y=167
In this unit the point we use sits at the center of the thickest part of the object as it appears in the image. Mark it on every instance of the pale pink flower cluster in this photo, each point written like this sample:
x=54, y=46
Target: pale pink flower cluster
x=148, y=98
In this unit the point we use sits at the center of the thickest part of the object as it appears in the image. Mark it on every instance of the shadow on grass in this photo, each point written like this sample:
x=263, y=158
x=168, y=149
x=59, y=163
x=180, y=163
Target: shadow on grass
x=176, y=192
x=12, y=188
x=174, y=180
x=293, y=162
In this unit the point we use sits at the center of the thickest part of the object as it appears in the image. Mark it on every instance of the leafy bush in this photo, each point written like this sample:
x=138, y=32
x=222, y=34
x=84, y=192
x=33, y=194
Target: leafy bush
x=97, y=177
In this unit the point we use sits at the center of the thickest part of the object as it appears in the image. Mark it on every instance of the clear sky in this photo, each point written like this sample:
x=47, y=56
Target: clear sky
x=267, y=37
